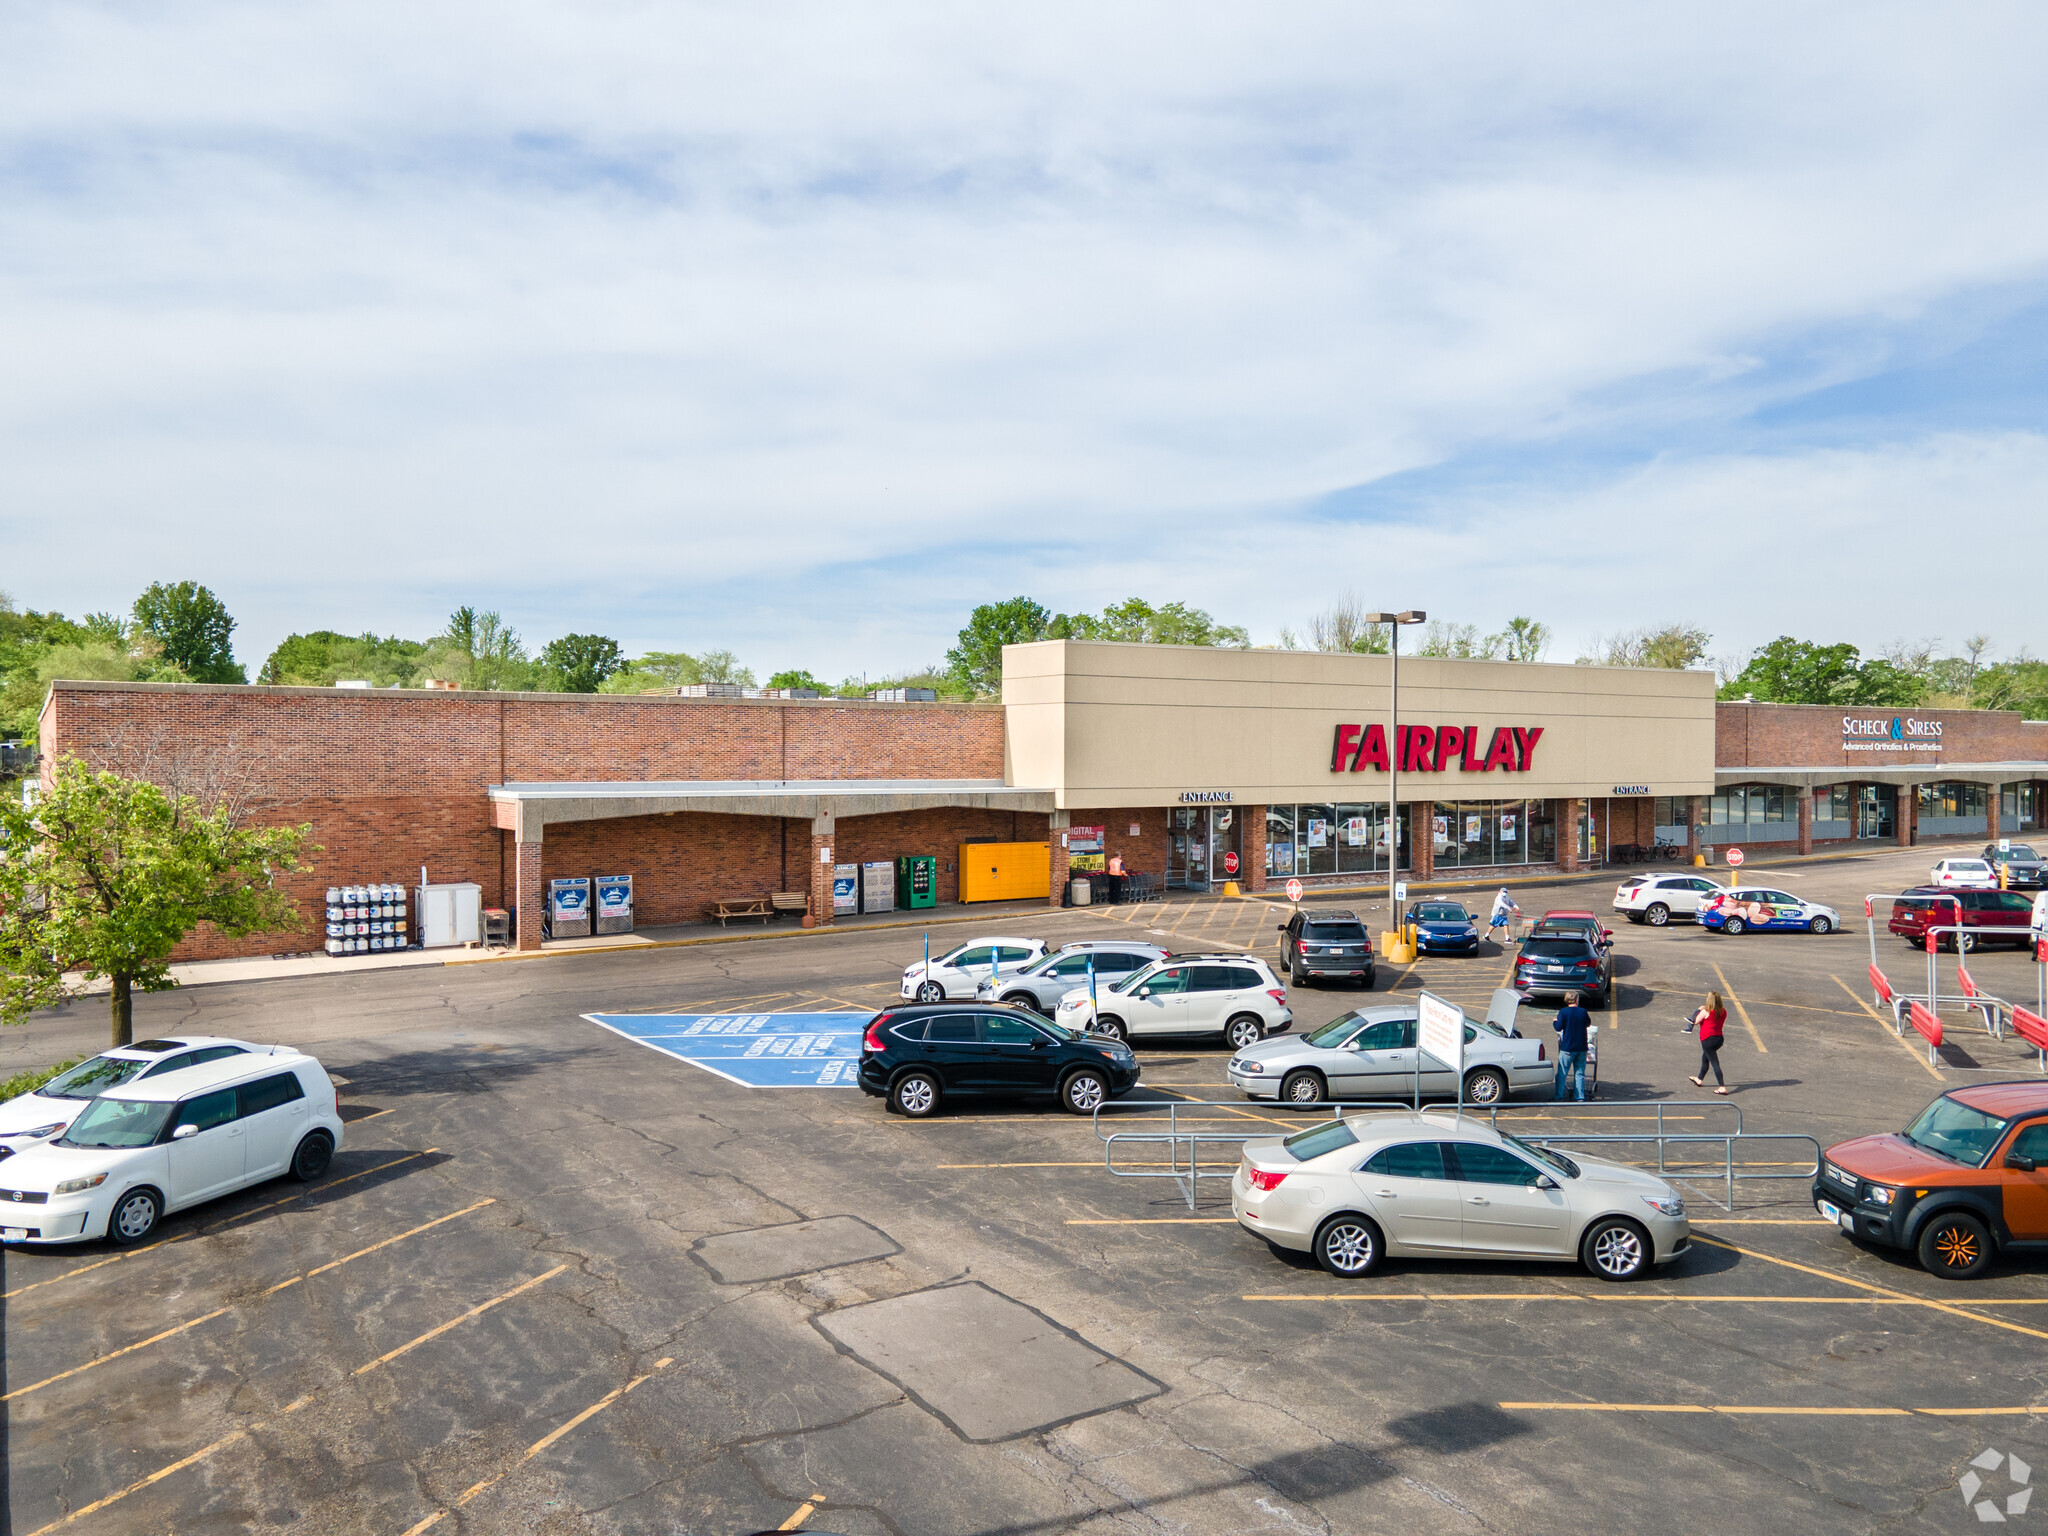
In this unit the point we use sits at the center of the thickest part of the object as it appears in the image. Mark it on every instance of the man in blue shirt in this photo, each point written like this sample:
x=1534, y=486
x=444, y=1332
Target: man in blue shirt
x=1573, y=1025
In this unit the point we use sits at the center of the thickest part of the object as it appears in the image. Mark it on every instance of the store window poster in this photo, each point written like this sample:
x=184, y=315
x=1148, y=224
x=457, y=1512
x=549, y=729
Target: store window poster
x=1318, y=834
x=1507, y=826
x=1473, y=824
x=1354, y=832
x=1280, y=858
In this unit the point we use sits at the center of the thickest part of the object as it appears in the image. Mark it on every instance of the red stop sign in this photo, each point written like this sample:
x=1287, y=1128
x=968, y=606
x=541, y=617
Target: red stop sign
x=1735, y=858
x=1230, y=863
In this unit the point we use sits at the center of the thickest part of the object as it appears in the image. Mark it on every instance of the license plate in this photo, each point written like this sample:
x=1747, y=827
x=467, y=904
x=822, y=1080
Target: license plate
x=1830, y=1210
x=14, y=1234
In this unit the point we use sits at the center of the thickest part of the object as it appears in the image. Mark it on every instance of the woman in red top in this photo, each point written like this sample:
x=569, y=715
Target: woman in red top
x=1712, y=1021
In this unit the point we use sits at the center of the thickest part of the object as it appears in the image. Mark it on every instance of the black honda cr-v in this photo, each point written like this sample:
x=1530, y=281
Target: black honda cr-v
x=923, y=1054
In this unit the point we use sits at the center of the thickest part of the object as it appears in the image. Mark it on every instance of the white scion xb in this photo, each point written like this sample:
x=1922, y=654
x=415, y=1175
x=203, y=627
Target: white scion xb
x=34, y=1117
x=961, y=969
x=160, y=1144
x=1355, y=1190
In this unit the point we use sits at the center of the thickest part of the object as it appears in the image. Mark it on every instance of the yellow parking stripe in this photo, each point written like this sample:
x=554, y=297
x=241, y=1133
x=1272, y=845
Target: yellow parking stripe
x=1904, y=1045
x=1748, y=1023
x=1851, y=1413
x=795, y=1522
x=155, y=1477
x=1585, y=1296
x=128, y=1349
x=475, y=1311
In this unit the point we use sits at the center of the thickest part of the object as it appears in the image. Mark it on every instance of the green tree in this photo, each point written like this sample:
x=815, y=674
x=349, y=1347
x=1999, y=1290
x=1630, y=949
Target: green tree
x=579, y=663
x=479, y=649
x=103, y=876
x=796, y=678
x=320, y=658
x=194, y=629
x=1523, y=640
x=724, y=667
x=1136, y=621
x=976, y=660
x=1458, y=641
x=2020, y=684
x=1789, y=671
x=656, y=672
x=1673, y=647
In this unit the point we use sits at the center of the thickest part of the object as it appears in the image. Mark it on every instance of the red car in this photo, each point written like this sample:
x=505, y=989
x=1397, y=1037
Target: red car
x=2007, y=913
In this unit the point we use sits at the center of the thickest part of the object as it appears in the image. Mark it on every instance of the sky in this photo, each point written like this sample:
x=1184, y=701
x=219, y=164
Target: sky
x=800, y=331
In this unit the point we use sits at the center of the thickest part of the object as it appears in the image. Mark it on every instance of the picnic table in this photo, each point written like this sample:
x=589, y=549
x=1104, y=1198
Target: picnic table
x=751, y=906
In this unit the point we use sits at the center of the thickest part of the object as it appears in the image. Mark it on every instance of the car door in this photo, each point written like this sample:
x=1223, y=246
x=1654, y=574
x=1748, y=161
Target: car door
x=207, y=1154
x=1066, y=973
x=965, y=971
x=1015, y=957
x=1159, y=1004
x=2015, y=914
x=1216, y=993
x=1504, y=1210
x=2026, y=1189
x=1413, y=1194
x=273, y=1113
x=1020, y=1057
x=1378, y=1063
x=954, y=1050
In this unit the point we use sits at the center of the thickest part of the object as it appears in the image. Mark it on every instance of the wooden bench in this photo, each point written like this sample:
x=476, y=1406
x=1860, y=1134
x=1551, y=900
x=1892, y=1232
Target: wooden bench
x=790, y=901
x=757, y=906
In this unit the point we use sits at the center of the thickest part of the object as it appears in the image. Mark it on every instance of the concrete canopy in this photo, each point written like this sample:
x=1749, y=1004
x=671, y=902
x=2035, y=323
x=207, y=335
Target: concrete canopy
x=1911, y=773
x=528, y=808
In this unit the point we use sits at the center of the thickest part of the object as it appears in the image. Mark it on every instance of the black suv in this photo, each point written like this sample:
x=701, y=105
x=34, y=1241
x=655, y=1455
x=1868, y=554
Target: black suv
x=923, y=1054
x=1326, y=943
x=2022, y=865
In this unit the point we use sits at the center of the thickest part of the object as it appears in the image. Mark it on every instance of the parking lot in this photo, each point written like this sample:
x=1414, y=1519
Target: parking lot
x=560, y=1281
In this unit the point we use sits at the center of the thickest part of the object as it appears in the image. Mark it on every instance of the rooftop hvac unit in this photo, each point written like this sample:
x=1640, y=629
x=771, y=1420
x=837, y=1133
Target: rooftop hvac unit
x=711, y=691
x=905, y=695
x=782, y=693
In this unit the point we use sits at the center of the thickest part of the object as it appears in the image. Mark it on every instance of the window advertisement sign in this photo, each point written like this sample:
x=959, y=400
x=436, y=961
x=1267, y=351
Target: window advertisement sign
x=1318, y=834
x=614, y=903
x=569, y=908
x=1085, y=848
x=1355, y=832
x=845, y=888
x=1440, y=1031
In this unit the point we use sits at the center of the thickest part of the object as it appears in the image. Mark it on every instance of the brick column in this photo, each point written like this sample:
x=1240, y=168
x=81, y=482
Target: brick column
x=1252, y=840
x=1992, y=811
x=820, y=885
x=1422, y=840
x=1692, y=826
x=1904, y=803
x=1567, y=825
x=1806, y=818
x=1056, y=832
x=528, y=903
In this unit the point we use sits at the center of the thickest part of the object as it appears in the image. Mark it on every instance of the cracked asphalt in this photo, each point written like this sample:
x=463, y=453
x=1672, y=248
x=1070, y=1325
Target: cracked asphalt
x=488, y=1316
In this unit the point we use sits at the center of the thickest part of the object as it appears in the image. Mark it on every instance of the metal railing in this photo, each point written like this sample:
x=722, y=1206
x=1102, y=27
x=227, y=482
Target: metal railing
x=1184, y=1146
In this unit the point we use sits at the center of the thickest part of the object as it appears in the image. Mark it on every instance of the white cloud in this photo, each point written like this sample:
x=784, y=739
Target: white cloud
x=722, y=324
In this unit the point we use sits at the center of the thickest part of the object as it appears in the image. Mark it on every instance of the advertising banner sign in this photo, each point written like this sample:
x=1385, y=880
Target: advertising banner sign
x=1355, y=832
x=1085, y=848
x=1440, y=1032
x=845, y=888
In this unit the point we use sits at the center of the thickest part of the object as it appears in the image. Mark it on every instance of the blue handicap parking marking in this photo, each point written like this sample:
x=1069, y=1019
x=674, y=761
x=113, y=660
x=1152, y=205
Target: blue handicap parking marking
x=755, y=1050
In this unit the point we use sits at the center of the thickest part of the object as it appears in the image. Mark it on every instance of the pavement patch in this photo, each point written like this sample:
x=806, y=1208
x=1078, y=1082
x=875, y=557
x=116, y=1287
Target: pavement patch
x=989, y=1367
x=755, y=1050
x=791, y=1248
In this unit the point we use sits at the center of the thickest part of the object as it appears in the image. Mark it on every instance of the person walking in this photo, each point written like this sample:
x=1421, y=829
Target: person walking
x=1712, y=1023
x=1503, y=908
x=1573, y=1025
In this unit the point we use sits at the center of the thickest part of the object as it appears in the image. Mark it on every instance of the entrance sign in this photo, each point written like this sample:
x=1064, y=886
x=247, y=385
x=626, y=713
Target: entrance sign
x=1294, y=892
x=1735, y=858
x=1440, y=1035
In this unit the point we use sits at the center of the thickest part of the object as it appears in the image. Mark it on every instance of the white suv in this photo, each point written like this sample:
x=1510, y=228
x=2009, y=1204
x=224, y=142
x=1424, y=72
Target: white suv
x=956, y=973
x=1235, y=996
x=1656, y=899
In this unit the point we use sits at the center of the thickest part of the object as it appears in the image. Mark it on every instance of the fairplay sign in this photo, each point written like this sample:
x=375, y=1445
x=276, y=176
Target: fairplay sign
x=1435, y=748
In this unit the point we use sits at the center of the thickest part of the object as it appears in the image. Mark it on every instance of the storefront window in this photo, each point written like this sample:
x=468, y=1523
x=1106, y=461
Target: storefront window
x=1280, y=840
x=1484, y=832
x=1316, y=854
x=2016, y=807
x=1950, y=800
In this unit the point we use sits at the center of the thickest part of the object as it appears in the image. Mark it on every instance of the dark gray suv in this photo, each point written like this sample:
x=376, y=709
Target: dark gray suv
x=2022, y=865
x=1327, y=942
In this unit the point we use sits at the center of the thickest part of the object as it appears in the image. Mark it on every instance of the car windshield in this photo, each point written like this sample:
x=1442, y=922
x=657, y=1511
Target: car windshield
x=1955, y=1131
x=1335, y=933
x=117, y=1123
x=1137, y=978
x=2019, y=851
x=1318, y=1139
x=90, y=1079
x=1336, y=1032
x=1558, y=948
x=1557, y=1160
x=1442, y=914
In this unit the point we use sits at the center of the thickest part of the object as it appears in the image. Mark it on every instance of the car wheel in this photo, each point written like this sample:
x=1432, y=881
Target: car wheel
x=931, y=992
x=1293, y=976
x=1021, y=1000
x=1348, y=1247
x=1303, y=1087
x=916, y=1094
x=310, y=1161
x=1955, y=1245
x=1372, y=978
x=1616, y=1250
x=1637, y=918
x=1114, y=1028
x=1820, y=925
x=1658, y=914
x=1485, y=1085
x=1963, y=943
x=1242, y=1031
x=135, y=1216
x=1083, y=1093
x=1732, y=926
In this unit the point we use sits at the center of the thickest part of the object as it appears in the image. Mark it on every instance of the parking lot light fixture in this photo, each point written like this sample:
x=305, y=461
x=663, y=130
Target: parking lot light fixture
x=1394, y=621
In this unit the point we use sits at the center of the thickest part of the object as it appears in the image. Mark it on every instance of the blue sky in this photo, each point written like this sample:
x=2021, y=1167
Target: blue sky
x=800, y=333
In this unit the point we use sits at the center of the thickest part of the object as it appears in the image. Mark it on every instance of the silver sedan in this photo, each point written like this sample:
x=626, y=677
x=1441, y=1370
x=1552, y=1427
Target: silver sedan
x=1370, y=1053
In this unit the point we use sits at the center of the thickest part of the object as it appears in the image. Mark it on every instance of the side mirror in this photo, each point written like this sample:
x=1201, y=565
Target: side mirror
x=1545, y=1181
x=2022, y=1163
x=183, y=1131
x=1144, y=991
x=1039, y=1042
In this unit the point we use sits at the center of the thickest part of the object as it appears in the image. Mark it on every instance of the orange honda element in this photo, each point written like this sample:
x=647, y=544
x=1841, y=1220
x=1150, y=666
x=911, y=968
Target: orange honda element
x=1967, y=1178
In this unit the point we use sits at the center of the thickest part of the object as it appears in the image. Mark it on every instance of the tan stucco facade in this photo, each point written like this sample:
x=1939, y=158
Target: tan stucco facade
x=1104, y=725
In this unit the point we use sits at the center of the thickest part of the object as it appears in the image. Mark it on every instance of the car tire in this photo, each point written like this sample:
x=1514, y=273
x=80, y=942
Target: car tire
x=1616, y=1249
x=1486, y=1086
x=1114, y=1028
x=1293, y=976
x=1349, y=1247
x=1372, y=979
x=1305, y=1086
x=1636, y=918
x=916, y=1095
x=930, y=992
x=1954, y=1245
x=310, y=1161
x=1242, y=1031
x=1084, y=1092
x=1657, y=914
x=1021, y=1000
x=1820, y=925
x=1734, y=927
x=134, y=1217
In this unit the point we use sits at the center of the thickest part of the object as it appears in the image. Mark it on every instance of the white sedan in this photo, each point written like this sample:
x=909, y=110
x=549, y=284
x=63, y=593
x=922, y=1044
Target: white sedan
x=957, y=972
x=1965, y=875
x=1370, y=1053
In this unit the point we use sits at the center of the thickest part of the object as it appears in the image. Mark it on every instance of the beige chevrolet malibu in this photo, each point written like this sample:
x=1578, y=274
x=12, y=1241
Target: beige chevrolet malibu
x=1366, y=1187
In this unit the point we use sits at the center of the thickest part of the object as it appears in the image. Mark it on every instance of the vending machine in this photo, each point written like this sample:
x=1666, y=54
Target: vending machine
x=845, y=889
x=917, y=881
x=614, y=903
x=569, y=908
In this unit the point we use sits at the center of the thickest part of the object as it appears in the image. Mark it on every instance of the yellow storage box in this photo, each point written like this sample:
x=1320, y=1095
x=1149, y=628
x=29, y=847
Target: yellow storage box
x=1005, y=871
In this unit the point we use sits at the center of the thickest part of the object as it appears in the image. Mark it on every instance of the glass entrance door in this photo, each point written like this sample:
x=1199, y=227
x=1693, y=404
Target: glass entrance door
x=1187, y=848
x=1874, y=810
x=1225, y=833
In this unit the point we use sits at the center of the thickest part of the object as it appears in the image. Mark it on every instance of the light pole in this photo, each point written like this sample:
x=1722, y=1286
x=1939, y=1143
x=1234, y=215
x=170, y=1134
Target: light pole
x=1394, y=621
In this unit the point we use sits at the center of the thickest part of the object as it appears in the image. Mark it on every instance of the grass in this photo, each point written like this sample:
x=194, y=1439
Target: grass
x=29, y=1082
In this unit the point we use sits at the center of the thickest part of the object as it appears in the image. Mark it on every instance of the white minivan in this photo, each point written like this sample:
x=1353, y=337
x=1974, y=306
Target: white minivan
x=161, y=1144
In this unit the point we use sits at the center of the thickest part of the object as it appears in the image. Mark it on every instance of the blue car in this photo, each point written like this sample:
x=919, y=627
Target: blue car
x=1750, y=909
x=1444, y=928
